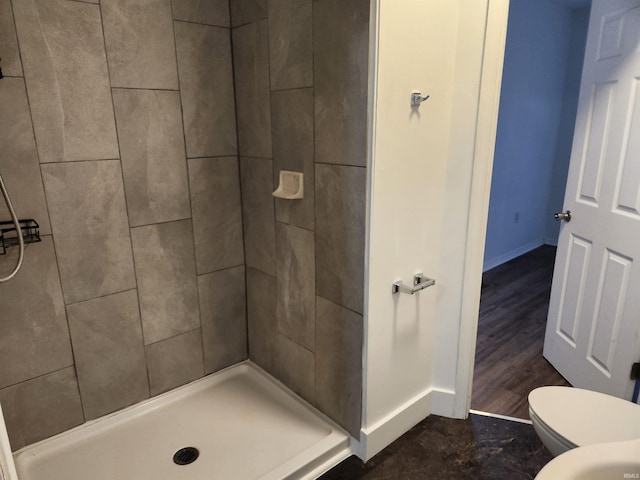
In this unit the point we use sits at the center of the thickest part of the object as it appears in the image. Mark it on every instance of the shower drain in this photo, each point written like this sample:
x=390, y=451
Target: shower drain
x=186, y=455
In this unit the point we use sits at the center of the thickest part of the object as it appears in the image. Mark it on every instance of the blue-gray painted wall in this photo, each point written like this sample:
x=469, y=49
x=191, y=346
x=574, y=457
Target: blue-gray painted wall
x=540, y=86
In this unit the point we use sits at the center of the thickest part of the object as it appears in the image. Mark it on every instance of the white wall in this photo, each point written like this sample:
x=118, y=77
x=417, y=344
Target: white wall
x=422, y=162
x=535, y=128
x=580, y=25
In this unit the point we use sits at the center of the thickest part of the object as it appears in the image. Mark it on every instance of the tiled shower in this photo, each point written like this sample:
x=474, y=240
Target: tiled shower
x=145, y=137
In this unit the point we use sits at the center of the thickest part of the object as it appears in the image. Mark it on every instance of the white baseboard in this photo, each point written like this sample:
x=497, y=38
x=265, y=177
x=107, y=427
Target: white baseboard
x=376, y=437
x=551, y=241
x=505, y=257
x=443, y=404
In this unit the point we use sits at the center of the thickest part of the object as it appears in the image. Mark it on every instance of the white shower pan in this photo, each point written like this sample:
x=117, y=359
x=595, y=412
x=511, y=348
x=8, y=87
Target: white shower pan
x=244, y=424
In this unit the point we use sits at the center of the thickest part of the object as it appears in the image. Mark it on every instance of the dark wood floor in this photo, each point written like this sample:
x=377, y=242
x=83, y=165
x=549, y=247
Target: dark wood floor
x=478, y=448
x=513, y=314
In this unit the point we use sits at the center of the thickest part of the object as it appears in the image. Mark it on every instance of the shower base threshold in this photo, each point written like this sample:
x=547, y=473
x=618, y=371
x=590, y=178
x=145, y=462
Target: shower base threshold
x=244, y=424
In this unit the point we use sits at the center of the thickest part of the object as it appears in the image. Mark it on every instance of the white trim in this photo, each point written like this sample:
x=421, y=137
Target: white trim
x=374, y=29
x=491, y=81
x=7, y=467
x=551, y=241
x=501, y=417
x=443, y=403
x=327, y=464
x=515, y=253
x=316, y=459
x=378, y=436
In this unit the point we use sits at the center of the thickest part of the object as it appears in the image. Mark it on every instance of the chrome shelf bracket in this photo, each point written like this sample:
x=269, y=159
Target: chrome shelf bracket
x=420, y=282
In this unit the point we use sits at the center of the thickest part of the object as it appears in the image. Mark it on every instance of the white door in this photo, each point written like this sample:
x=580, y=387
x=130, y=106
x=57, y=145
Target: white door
x=7, y=468
x=592, y=335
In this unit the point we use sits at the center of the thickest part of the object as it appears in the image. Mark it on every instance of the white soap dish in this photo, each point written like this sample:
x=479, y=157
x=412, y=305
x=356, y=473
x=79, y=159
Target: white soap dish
x=291, y=185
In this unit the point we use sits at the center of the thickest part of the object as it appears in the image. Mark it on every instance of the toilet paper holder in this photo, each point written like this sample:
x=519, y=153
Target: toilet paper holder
x=420, y=282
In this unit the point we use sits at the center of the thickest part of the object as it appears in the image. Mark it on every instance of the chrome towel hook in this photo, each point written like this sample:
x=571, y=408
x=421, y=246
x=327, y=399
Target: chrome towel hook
x=417, y=98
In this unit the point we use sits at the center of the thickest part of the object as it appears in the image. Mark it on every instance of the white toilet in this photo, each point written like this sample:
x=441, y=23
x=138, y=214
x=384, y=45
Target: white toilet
x=566, y=418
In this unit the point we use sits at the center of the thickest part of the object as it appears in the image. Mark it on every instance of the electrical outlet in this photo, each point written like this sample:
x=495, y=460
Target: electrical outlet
x=516, y=217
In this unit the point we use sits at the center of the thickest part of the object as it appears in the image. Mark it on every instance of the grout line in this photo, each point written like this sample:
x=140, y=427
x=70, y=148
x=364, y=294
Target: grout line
x=272, y=200
x=288, y=89
x=124, y=188
x=256, y=20
x=175, y=336
x=295, y=226
x=75, y=366
x=315, y=200
x=26, y=380
x=339, y=164
x=65, y=162
x=242, y=203
x=199, y=274
x=126, y=204
x=189, y=192
x=339, y=304
x=190, y=22
x=223, y=270
x=233, y=155
x=249, y=157
x=160, y=223
x=99, y=297
x=150, y=89
x=298, y=344
x=501, y=417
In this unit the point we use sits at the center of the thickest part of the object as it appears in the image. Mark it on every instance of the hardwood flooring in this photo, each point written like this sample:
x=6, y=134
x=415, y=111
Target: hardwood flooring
x=513, y=315
x=478, y=448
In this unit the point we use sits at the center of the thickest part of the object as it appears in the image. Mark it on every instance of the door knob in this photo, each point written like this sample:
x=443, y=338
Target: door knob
x=566, y=216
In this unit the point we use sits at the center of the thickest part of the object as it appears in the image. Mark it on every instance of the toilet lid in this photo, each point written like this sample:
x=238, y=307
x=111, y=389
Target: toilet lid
x=584, y=417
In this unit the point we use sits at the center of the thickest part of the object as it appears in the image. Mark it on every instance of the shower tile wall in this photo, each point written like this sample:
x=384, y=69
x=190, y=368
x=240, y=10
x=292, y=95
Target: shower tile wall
x=301, y=78
x=118, y=135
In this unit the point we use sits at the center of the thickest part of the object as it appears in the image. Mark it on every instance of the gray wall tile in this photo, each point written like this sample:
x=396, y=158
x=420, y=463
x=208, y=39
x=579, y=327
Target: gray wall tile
x=109, y=353
x=20, y=166
x=251, y=66
x=262, y=320
x=65, y=68
x=204, y=60
x=166, y=273
x=210, y=12
x=139, y=40
x=65, y=65
x=34, y=338
x=339, y=337
x=292, y=120
x=42, y=407
x=296, y=368
x=340, y=234
x=153, y=155
x=217, y=214
x=245, y=11
x=296, y=284
x=175, y=361
x=291, y=43
x=258, y=215
x=11, y=65
x=341, y=49
x=89, y=223
x=224, y=318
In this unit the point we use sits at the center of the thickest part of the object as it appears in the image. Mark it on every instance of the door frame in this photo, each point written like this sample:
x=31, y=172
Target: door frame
x=485, y=140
